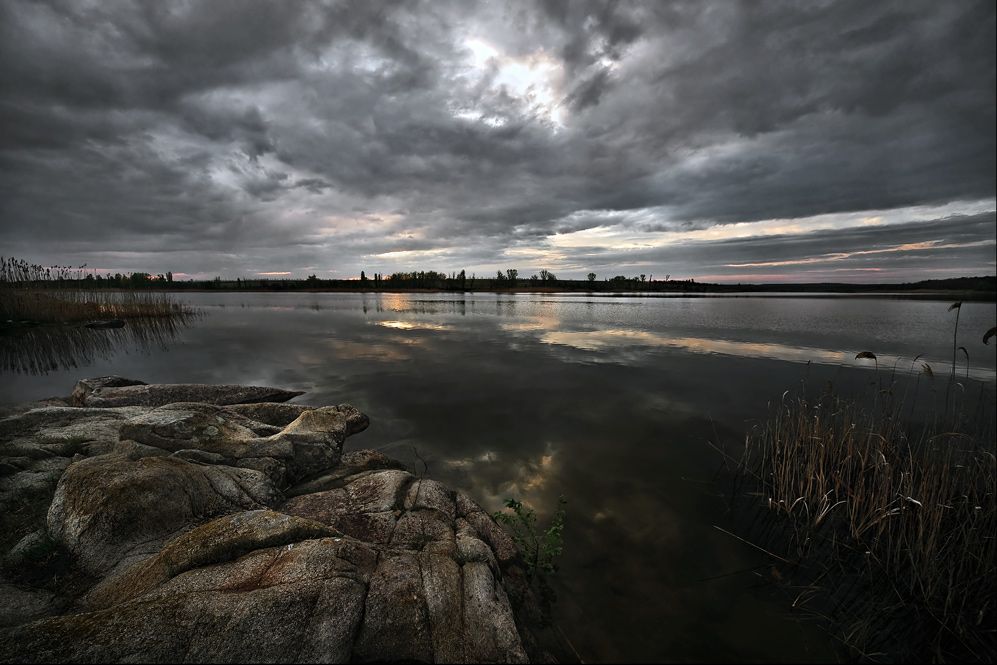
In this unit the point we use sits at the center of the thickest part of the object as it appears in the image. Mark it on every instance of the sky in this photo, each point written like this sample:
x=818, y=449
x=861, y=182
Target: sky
x=847, y=141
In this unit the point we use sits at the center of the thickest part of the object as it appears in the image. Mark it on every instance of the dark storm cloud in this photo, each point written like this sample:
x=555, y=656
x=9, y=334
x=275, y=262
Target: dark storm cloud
x=247, y=127
x=313, y=185
x=834, y=107
x=318, y=134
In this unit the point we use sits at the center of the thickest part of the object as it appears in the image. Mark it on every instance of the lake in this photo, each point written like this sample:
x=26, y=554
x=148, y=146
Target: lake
x=615, y=402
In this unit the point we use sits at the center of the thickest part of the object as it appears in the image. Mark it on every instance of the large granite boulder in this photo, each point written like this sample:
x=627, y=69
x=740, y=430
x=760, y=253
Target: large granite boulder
x=203, y=532
x=106, y=506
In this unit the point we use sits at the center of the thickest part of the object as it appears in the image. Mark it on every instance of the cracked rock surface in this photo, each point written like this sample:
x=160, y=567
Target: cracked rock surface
x=236, y=529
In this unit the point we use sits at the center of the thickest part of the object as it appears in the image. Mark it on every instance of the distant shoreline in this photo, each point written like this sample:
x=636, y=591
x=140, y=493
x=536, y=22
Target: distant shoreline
x=970, y=296
x=769, y=291
x=959, y=288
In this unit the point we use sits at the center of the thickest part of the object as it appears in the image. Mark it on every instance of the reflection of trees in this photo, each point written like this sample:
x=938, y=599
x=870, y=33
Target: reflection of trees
x=505, y=307
x=405, y=304
x=48, y=348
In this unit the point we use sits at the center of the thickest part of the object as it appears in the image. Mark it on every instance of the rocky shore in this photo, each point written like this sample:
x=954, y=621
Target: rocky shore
x=219, y=523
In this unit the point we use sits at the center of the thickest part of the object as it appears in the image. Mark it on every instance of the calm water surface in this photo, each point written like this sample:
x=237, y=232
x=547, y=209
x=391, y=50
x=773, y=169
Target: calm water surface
x=612, y=402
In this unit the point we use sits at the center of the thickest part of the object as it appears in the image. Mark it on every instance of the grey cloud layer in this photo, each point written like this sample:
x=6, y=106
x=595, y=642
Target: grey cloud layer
x=935, y=248
x=301, y=136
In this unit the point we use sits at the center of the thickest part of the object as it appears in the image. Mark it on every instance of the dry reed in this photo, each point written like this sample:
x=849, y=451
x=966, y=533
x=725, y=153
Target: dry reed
x=46, y=314
x=891, y=524
x=63, y=295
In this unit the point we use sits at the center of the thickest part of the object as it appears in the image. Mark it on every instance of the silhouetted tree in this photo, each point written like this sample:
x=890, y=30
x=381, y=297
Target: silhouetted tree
x=139, y=279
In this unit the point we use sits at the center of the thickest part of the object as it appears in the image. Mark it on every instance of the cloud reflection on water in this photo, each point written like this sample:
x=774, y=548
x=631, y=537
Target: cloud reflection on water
x=526, y=478
x=619, y=345
x=386, y=351
x=413, y=325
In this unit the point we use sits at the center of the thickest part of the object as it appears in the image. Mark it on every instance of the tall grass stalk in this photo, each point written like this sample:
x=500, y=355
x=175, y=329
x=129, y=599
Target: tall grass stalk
x=957, y=306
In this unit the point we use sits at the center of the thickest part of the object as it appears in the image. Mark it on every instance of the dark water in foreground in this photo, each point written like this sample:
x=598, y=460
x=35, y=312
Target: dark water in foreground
x=612, y=402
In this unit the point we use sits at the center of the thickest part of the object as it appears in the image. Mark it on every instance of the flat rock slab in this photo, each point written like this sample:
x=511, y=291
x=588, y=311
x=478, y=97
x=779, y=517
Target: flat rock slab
x=160, y=394
x=84, y=387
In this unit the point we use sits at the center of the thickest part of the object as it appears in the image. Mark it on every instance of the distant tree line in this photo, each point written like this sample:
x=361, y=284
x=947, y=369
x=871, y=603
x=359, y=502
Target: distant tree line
x=431, y=280
x=135, y=280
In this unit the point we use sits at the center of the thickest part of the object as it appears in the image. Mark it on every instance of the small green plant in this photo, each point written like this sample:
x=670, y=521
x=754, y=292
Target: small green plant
x=538, y=548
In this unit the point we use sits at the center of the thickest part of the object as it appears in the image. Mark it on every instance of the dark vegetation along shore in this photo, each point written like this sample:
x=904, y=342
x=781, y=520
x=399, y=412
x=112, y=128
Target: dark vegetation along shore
x=92, y=283
x=35, y=295
x=966, y=288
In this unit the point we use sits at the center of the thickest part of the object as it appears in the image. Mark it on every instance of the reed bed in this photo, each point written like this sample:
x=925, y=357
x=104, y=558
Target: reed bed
x=48, y=316
x=883, y=525
x=33, y=294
